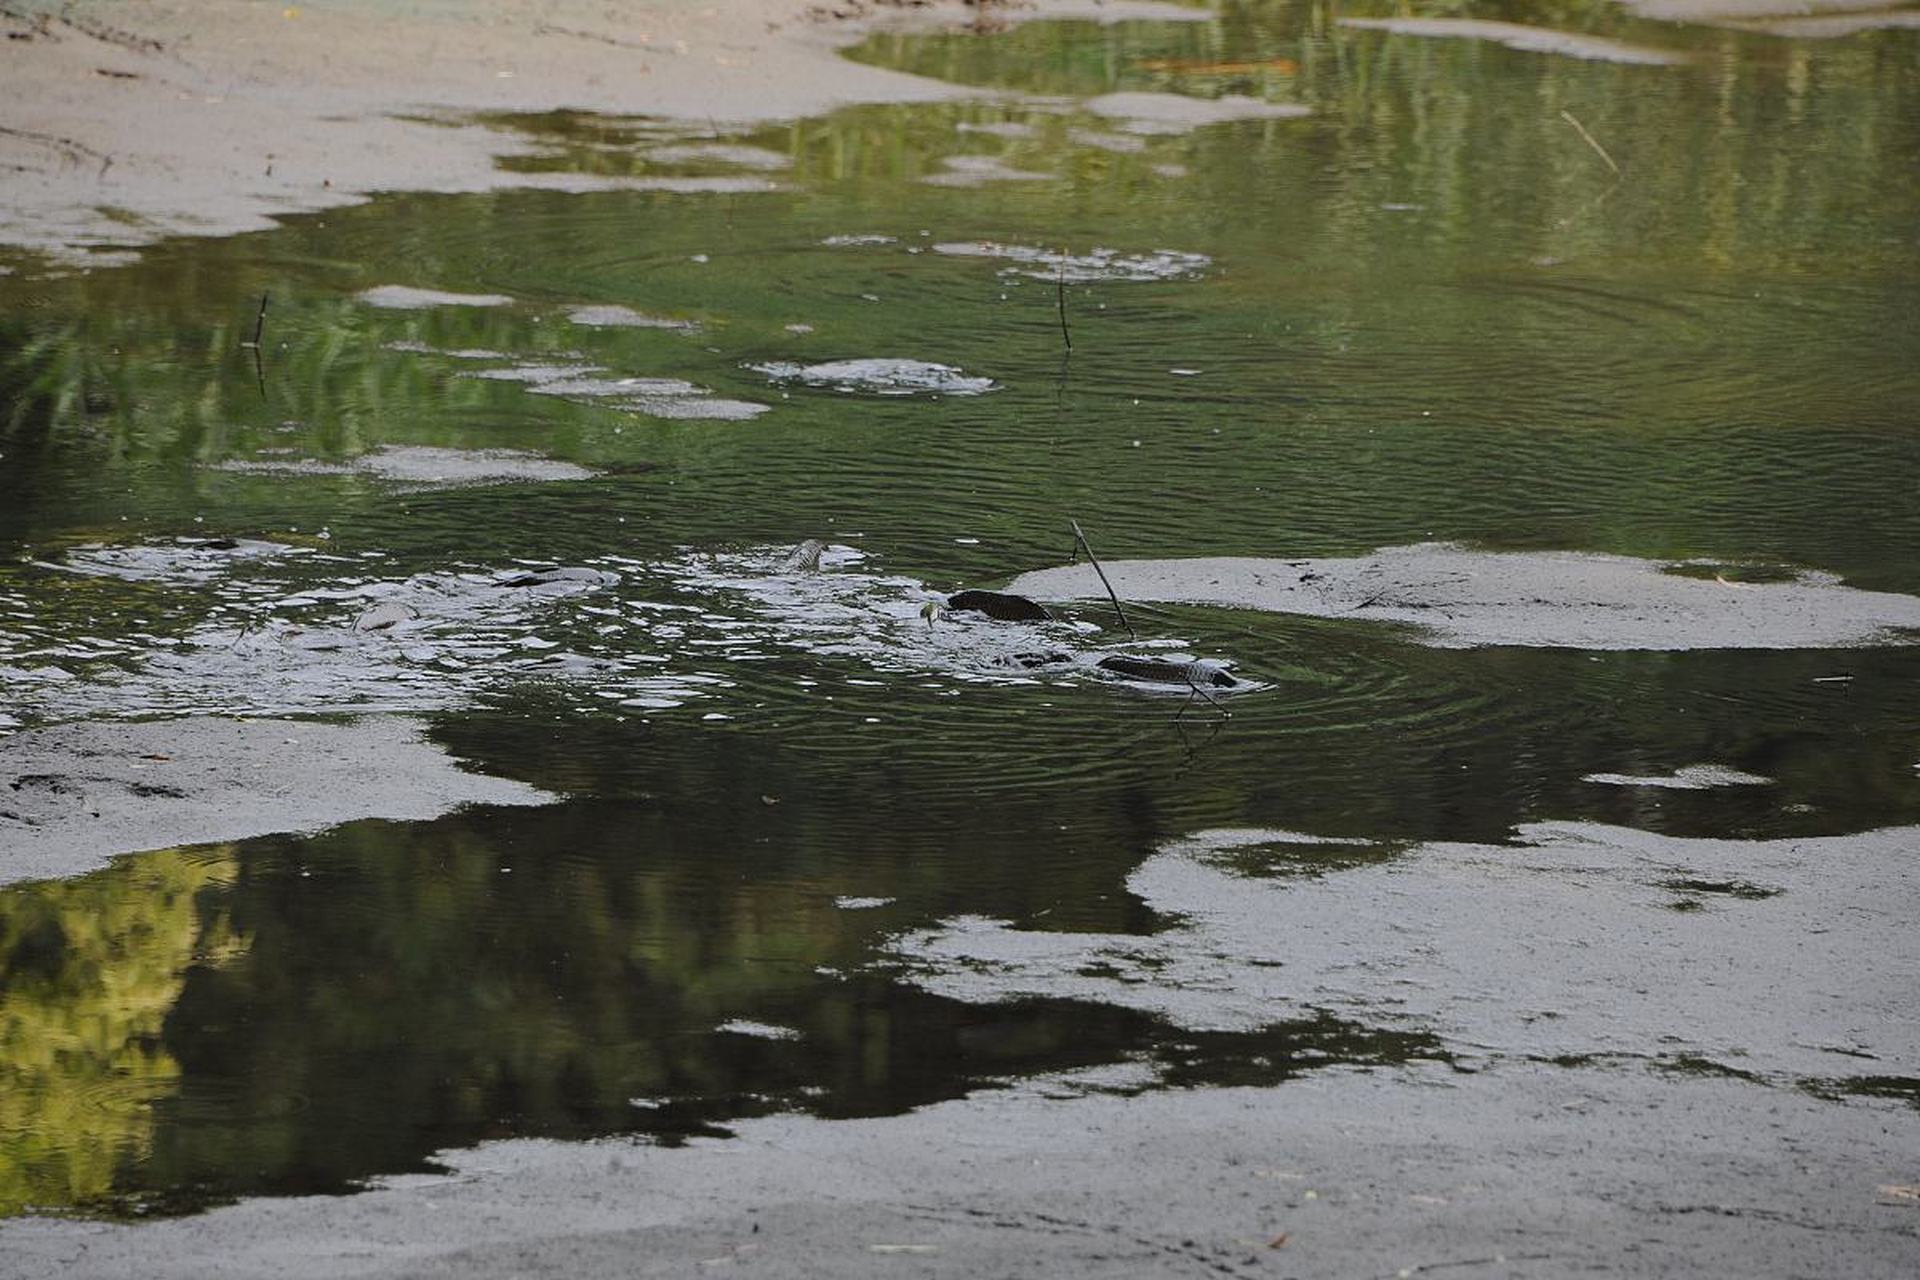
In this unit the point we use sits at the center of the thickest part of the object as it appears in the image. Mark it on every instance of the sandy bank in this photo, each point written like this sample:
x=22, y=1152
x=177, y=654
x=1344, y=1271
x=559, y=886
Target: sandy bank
x=1458, y=597
x=74, y=795
x=123, y=123
x=1507, y=1172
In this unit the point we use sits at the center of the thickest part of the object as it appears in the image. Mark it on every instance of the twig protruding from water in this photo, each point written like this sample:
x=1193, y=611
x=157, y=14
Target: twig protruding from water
x=259, y=324
x=1060, y=300
x=1592, y=141
x=1092, y=560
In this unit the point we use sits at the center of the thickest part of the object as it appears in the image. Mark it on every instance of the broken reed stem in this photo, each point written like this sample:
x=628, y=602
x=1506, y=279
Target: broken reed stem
x=259, y=324
x=1060, y=300
x=1092, y=560
x=1592, y=142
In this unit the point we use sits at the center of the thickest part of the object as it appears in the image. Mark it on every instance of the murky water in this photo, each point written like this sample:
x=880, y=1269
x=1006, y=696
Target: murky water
x=1429, y=310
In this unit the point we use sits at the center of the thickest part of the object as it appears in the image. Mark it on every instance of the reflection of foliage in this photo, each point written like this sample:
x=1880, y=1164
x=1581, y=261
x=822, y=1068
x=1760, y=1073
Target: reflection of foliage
x=567, y=972
x=89, y=971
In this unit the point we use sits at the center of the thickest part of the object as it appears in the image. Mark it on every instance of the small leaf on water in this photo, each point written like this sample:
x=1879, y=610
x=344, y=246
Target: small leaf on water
x=1280, y=1241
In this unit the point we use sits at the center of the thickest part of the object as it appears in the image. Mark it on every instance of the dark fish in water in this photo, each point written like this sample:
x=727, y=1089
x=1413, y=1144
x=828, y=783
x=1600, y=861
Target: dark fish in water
x=1199, y=674
x=545, y=577
x=998, y=605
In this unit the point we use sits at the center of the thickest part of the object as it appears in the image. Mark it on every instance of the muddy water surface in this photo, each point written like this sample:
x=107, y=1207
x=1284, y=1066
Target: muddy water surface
x=532, y=464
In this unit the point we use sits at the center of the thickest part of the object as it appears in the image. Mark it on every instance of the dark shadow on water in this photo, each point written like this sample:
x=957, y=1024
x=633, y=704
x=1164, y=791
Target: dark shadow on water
x=295, y=1016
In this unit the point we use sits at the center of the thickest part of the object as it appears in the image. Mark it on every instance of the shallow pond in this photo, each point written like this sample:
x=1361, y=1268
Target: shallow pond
x=1527, y=301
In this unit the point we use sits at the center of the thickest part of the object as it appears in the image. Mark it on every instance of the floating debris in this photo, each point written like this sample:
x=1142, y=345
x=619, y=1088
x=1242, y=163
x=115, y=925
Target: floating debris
x=618, y=317
x=759, y=1030
x=671, y=398
x=422, y=466
x=1082, y=268
x=400, y=297
x=880, y=377
x=1694, y=777
x=1186, y=672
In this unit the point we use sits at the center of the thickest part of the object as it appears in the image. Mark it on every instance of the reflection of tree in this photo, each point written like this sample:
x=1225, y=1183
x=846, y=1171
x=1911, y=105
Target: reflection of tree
x=402, y=992
x=89, y=970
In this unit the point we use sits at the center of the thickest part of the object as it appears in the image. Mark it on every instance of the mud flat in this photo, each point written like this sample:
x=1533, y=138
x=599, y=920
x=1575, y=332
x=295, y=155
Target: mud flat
x=72, y=796
x=1459, y=598
x=1530, y=1170
x=1576, y=942
x=124, y=124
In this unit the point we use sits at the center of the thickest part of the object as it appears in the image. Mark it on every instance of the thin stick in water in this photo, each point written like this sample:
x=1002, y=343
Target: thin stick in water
x=1088, y=547
x=1060, y=300
x=1591, y=141
x=259, y=324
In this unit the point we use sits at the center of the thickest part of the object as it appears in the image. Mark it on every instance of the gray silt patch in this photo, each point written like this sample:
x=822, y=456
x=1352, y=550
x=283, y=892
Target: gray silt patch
x=1561, y=945
x=72, y=796
x=1549, y=1171
x=423, y=466
x=1461, y=598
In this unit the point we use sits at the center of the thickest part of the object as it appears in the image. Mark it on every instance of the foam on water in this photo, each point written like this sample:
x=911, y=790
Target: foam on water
x=880, y=377
x=673, y=398
x=399, y=297
x=618, y=317
x=418, y=466
x=1106, y=265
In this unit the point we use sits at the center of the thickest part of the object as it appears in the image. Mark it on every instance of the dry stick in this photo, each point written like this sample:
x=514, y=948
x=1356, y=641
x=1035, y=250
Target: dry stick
x=1088, y=547
x=1591, y=141
x=1060, y=299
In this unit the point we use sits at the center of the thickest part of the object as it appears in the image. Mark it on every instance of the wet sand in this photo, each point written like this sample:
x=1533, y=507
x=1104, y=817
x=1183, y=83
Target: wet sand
x=1529, y=1170
x=74, y=795
x=1458, y=597
x=123, y=124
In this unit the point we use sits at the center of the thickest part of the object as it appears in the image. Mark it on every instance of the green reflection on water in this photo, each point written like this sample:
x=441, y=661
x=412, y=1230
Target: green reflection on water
x=1431, y=313
x=602, y=968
